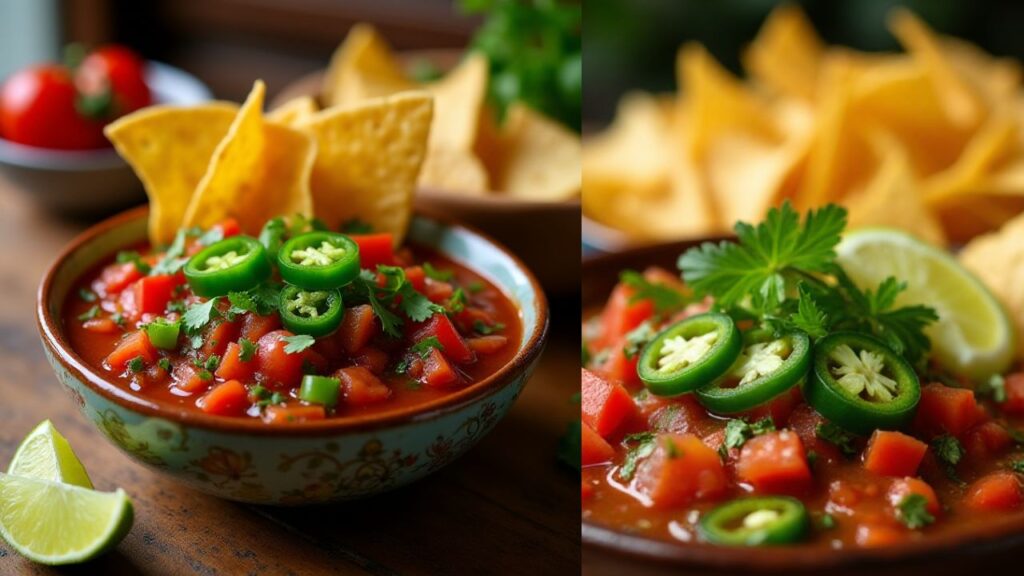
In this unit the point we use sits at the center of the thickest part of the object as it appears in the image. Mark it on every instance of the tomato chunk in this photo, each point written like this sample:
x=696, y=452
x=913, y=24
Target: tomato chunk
x=279, y=414
x=116, y=278
x=454, y=347
x=375, y=249
x=152, y=293
x=360, y=387
x=187, y=378
x=994, y=492
x=894, y=454
x=775, y=463
x=620, y=316
x=134, y=345
x=437, y=371
x=278, y=368
x=986, y=441
x=227, y=399
x=904, y=487
x=1014, y=387
x=357, y=328
x=621, y=368
x=606, y=406
x=944, y=409
x=879, y=535
x=681, y=470
x=232, y=367
x=487, y=344
x=255, y=326
x=594, y=449
x=219, y=336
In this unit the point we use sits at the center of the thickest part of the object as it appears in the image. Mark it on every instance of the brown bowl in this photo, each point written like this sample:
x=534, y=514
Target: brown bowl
x=606, y=551
x=546, y=235
x=246, y=460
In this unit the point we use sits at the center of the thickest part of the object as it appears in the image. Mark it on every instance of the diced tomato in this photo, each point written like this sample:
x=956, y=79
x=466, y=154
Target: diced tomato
x=681, y=470
x=373, y=359
x=152, y=293
x=227, y=399
x=116, y=277
x=186, y=377
x=134, y=345
x=805, y=421
x=679, y=415
x=994, y=492
x=946, y=410
x=619, y=367
x=437, y=291
x=904, y=487
x=986, y=441
x=101, y=326
x=255, y=326
x=375, y=249
x=606, y=406
x=894, y=453
x=440, y=327
x=357, y=328
x=279, y=369
x=879, y=535
x=594, y=449
x=232, y=367
x=775, y=463
x=359, y=386
x=487, y=344
x=437, y=371
x=1014, y=387
x=296, y=413
x=229, y=227
x=416, y=276
x=219, y=336
x=778, y=408
x=620, y=316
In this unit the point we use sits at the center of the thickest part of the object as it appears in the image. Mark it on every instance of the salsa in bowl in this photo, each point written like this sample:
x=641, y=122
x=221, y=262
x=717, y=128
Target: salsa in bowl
x=236, y=391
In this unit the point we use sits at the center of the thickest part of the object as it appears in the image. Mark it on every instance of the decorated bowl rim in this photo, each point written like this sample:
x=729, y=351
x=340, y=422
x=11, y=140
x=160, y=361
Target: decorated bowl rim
x=53, y=337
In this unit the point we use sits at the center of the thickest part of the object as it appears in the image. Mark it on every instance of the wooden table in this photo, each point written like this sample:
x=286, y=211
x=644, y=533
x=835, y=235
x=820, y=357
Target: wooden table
x=507, y=507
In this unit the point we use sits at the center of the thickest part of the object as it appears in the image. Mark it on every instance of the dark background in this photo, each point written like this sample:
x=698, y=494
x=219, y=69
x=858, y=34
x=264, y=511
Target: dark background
x=631, y=44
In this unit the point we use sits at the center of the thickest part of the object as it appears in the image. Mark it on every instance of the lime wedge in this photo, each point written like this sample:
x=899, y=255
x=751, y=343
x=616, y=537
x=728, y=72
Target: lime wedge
x=46, y=455
x=974, y=336
x=53, y=523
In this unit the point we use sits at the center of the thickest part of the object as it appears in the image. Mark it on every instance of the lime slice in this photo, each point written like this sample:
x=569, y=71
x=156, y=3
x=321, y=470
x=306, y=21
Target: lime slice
x=973, y=336
x=46, y=455
x=53, y=523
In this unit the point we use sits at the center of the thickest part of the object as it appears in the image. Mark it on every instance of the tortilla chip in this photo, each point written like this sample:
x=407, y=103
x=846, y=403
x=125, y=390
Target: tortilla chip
x=364, y=66
x=540, y=157
x=458, y=101
x=369, y=159
x=454, y=170
x=258, y=171
x=998, y=259
x=786, y=55
x=990, y=145
x=293, y=112
x=170, y=147
x=636, y=146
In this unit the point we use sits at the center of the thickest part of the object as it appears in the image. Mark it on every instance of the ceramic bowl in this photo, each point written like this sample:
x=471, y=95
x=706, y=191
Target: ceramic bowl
x=303, y=462
x=91, y=182
x=531, y=229
x=976, y=548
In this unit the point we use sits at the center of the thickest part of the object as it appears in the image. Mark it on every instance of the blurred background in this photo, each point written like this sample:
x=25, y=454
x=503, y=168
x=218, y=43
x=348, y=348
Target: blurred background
x=631, y=44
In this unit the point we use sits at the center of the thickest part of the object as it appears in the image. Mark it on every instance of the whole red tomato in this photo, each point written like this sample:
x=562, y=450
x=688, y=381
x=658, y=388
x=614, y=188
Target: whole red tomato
x=37, y=108
x=120, y=70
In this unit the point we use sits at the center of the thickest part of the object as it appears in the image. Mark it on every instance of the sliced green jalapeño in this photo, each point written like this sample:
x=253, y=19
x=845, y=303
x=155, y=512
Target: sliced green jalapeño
x=755, y=521
x=231, y=265
x=689, y=354
x=860, y=384
x=319, y=260
x=316, y=313
x=765, y=369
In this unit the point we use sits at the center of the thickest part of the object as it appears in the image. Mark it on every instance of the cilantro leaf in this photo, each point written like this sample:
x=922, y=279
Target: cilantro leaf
x=663, y=297
x=417, y=306
x=136, y=364
x=809, y=317
x=133, y=257
x=262, y=300
x=1017, y=465
x=838, y=437
x=641, y=445
x=485, y=329
x=913, y=511
x=949, y=451
x=423, y=347
x=199, y=315
x=298, y=343
x=637, y=338
x=89, y=314
x=247, y=349
x=435, y=274
x=164, y=364
x=767, y=259
x=738, y=431
x=86, y=295
x=173, y=260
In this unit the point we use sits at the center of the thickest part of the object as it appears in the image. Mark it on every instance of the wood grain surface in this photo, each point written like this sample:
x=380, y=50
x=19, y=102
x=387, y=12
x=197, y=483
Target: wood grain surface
x=507, y=507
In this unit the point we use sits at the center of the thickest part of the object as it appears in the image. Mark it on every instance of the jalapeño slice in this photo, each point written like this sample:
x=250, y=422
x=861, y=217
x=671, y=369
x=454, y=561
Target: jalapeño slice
x=272, y=236
x=689, y=354
x=316, y=313
x=319, y=260
x=231, y=265
x=765, y=369
x=860, y=384
x=755, y=521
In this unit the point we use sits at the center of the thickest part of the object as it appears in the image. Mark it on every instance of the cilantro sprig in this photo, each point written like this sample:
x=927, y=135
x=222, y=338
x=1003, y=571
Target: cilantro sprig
x=393, y=295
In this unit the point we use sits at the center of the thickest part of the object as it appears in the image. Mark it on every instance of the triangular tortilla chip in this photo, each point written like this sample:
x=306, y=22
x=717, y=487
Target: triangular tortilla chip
x=363, y=67
x=636, y=146
x=455, y=170
x=259, y=170
x=293, y=112
x=170, y=147
x=369, y=159
x=458, y=102
x=786, y=55
x=540, y=157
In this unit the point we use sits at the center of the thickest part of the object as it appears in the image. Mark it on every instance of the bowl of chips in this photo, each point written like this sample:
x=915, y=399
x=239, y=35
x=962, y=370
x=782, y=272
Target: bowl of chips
x=92, y=182
x=509, y=178
x=927, y=139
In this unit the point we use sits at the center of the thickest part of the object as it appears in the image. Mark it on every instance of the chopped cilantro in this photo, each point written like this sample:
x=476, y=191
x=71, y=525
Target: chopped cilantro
x=664, y=297
x=838, y=437
x=457, y=302
x=86, y=295
x=475, y=287
x=949, y=451
x=994, y=388
x=423, y=347
x=1017, y=465
x=738, y=431
x=176, y=306
x=173, y=260
x=164, y=364
x=485, y=329
x=637, y=338
x=204, y=374
x=136, y=364
x=298, y=343
x=212, y=363
x=396, y=292
x=133, y=257
x=212, y=236
x=913, y=512
x=89, y=314
x=247, y=350
x=195, y=341
x=435, y=274
x=118, y=319
x=262, y=300
x=199, y=315
x=641, y=445
x=828, y=522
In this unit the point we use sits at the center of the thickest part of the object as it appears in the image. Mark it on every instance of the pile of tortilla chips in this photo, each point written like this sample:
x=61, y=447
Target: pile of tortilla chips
x=528, y=157
x=929, y=140
x=202, y=164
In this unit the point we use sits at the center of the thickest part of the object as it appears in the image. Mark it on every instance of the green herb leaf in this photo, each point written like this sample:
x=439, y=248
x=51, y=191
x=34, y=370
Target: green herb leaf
x=641, y=446
x=199, y=315
x=994, y=388
x=298, y=343
x=131, y=256
x=86, y=295
x=436, y=274
x=738, y=431
x=164, y=364
x=637, y=338
x=665, y=298
x=475, y=287
x=838, y=437
x=423, y=347
x=136, y=364
x=485, y=329
x=1016, y=465
x=913, y=512
x=89, y=314
x=949, y=452
x=212, y=363
x=247, y=350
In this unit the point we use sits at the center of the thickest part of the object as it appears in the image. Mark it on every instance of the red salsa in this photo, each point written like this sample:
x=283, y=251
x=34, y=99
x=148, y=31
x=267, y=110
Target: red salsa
x=708, y=465
x=299, y=324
